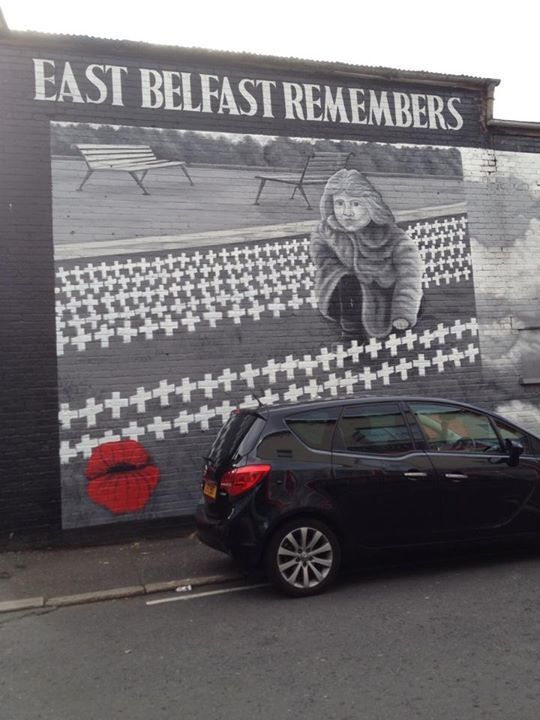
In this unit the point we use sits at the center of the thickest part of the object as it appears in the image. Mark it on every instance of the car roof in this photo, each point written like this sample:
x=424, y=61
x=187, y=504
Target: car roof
x=283, y=408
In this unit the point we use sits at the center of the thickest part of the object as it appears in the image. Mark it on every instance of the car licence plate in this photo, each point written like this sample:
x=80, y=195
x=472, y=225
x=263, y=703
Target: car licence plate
x=210, y=490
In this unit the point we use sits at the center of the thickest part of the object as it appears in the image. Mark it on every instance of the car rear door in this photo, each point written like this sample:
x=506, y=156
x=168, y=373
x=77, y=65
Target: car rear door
x=479, y=489
x=391, y=494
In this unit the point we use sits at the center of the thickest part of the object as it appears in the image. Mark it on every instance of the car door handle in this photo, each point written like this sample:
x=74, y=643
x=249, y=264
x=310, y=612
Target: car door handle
x=456, y=477
x=415, y=475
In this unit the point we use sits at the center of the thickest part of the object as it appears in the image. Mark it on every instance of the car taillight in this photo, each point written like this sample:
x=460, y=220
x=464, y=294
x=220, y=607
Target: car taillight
x=239, y=480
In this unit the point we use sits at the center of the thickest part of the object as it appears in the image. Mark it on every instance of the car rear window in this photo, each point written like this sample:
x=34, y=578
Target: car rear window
x=230, y=436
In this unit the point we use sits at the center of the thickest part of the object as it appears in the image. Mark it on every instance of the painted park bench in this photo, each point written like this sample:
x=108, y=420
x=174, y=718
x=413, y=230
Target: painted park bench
x=136, y=160
x=316, y=171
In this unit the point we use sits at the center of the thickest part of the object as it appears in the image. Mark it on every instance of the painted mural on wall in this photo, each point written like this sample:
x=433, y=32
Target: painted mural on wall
x=198, y=270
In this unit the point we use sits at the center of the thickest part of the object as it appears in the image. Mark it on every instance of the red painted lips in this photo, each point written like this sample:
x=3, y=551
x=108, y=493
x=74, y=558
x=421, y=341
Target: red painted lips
x=121, y=476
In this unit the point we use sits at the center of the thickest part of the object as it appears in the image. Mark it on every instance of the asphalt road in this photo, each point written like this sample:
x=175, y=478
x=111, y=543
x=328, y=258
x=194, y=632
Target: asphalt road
x=439, y=637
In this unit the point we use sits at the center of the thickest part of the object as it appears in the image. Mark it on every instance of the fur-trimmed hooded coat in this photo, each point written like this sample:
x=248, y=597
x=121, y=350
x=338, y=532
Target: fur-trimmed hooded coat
x=386, y=263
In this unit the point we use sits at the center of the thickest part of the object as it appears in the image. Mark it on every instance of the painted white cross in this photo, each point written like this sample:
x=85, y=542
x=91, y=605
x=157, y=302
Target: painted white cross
x=148, y=329
x=115, y=403
x=458, y=329
x=348, y=382
x=403, y=367
x=224, y=410
x=86, y=445
x=293, y=393
x=212, y=316
x=80, y=340
x=355, y=350
x=271, y=369
x=295, y=302
x=67, y=452
x=158, y=427
x=276, y=307
x=61, y=340
x=367, y=376
x=190, y=321
x=373, y=347
x=183, y=421
x=426, y=339
x=473, y=326
x=340, y=355
x=325, y=358
x=385, y=373
x=236, y=313
x=421, y=364
x=185, y=389
x=307, y=364
x=133, y=431
x=471, y=352
x=269, y=398
x=103, y=335
x=208, y=385
x=409, y=339
x=162, y=392
x=127, y=332
x=66, y=415
x=290, y=365
x=227, y=378
x=440, y=333
x=159, y=309
x=392, y=344
x=256, y=310
x=90, y=411
x=312, y=389
x=331, y=384
x=249, y=374
x=204, y=416
x=456, y=357
x=439, y=360
x=140, y=399
x=169, y=325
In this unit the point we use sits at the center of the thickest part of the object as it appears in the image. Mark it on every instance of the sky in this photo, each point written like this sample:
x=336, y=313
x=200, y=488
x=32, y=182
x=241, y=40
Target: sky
x=464, y=37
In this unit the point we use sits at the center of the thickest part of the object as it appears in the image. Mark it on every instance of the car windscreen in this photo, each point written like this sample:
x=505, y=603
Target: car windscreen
x=230, y=436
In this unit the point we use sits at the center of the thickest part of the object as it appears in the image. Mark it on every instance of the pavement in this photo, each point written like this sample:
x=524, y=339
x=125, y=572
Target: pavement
x=68, y=576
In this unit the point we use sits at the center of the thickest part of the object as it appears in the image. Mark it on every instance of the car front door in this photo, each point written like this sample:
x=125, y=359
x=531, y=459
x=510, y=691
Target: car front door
x=479, y=489
x=391, y=489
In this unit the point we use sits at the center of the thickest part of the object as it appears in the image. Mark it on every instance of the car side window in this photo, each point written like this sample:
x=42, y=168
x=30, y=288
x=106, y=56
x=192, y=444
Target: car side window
x=451, y=428
x=284, y=445
x=507, y=432
x=377, y=429
x=315, y=427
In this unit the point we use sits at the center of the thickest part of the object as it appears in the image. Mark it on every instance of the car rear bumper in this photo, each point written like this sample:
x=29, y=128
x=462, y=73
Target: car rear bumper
x=234, y=536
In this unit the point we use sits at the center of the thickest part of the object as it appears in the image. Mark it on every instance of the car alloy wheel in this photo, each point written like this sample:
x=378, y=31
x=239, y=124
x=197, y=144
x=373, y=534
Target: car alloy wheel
x=303, y=557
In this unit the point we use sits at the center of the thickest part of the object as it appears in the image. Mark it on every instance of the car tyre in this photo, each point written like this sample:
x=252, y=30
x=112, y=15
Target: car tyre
x=303, y=557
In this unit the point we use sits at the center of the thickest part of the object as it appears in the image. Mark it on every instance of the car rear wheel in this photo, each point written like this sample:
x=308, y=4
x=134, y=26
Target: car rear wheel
x=303, y=557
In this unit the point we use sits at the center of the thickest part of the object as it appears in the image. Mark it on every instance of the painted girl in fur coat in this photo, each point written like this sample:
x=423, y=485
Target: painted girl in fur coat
x=368, y=271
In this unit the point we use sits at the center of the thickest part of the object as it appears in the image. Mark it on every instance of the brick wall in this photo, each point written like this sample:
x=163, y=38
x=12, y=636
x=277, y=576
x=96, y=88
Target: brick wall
x=129, y=317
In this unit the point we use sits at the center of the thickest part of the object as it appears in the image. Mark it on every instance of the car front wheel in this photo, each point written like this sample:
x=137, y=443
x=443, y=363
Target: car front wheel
x=303, y=557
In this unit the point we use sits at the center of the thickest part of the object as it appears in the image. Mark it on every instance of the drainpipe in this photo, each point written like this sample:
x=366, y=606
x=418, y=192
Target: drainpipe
x=490, y=100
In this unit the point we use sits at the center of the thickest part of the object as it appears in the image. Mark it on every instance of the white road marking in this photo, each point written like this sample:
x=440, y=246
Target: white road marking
x=206, y=594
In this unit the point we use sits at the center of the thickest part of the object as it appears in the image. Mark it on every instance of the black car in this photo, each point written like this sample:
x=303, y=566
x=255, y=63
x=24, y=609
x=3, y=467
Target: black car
x=298, y=487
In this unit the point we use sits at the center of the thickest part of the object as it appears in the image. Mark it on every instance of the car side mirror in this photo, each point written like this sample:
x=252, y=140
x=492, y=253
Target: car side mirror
x=514, y=450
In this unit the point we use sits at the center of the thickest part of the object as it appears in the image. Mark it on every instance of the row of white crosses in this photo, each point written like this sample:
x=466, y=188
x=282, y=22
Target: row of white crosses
x=293, y=367
x=282, y=286
x=117, y=275
x=433, y=231
x=334, y=384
